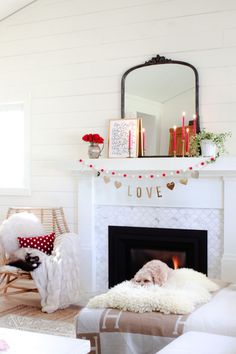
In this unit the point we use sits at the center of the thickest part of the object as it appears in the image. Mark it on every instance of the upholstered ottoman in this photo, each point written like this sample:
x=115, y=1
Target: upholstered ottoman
x=201, y=343
x=114, y=331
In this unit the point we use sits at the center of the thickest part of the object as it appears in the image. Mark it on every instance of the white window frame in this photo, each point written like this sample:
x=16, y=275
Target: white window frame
x=25, y=190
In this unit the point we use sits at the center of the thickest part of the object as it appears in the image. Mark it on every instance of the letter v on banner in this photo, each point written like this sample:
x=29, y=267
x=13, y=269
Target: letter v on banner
x=149, y=191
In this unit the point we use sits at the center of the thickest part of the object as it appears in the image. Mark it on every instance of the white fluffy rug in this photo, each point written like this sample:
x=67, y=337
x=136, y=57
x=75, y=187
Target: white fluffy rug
x=181, y=293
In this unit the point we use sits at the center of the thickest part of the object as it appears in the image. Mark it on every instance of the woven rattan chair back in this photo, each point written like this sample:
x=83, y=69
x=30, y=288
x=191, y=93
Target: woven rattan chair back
x=53, y=220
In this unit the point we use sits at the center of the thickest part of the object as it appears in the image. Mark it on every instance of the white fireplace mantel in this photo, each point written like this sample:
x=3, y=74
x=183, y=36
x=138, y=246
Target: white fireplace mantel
x=215, y=189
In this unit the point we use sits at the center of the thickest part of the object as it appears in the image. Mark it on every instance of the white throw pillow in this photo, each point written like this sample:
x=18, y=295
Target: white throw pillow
x=19, y=224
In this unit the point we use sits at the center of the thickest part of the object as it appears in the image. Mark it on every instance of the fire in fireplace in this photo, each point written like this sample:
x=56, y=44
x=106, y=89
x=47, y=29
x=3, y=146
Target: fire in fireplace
x=131, y=247
x=174, y=259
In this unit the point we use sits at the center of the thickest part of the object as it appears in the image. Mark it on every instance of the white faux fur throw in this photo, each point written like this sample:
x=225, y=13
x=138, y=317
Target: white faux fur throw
x=57, y=278
x=19, y=224
x=181, y=293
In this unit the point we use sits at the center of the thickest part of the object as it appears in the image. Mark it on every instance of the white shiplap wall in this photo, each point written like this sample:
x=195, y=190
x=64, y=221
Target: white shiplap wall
x=70, y=56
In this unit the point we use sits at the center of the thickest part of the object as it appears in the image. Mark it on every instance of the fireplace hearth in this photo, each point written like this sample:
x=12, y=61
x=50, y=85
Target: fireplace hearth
x=131, y=247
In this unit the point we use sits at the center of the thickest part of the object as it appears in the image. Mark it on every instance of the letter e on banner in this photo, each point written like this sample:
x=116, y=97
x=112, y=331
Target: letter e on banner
x=158, y=189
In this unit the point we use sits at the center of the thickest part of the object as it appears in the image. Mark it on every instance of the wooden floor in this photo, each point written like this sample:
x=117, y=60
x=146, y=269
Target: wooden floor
x=28, y=304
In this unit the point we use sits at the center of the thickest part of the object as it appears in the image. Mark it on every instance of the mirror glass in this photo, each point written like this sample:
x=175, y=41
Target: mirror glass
x=159, y=94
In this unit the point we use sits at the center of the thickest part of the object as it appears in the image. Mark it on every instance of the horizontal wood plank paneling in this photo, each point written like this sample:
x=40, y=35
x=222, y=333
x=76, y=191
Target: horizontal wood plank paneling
x=70, y=56
x=72, y=28
x=91, y=47
x=67, y=120
x=64, y=136
x=45, y=198
x=114, y=12
x=75, y=103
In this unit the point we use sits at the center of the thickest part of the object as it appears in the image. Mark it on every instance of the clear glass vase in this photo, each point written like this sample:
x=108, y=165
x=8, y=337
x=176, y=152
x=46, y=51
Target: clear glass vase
x=94, y=151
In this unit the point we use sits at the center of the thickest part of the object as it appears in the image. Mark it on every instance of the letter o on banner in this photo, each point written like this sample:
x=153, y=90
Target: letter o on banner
x=139, y=192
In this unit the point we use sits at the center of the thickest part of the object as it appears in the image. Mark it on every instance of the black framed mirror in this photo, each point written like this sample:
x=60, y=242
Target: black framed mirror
x=158, y=92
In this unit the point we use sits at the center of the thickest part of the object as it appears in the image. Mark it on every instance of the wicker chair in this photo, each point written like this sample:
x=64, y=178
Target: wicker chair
x=53, y=220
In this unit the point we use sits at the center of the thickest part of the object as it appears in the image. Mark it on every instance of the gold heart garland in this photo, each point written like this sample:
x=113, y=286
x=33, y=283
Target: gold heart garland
x=183, y=181
x=106, y=179
x=117, y=184
x=195, y=174
x=171, y=185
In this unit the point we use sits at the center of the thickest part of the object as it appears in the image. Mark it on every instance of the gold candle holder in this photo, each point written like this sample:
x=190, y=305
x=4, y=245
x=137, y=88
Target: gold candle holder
x=174, y=153
x=129, y=151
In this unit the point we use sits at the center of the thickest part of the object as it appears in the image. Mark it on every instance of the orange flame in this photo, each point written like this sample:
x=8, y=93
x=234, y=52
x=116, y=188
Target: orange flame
x=175, y=261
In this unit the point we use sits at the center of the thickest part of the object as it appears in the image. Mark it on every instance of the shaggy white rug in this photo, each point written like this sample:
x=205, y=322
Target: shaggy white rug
x=181, y=293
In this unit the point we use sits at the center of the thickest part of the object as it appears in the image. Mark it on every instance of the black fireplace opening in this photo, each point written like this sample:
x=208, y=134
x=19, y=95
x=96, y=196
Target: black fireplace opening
x=129, y=248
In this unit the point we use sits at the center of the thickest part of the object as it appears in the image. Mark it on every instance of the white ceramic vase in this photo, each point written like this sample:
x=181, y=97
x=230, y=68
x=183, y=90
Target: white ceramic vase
x=208, y=148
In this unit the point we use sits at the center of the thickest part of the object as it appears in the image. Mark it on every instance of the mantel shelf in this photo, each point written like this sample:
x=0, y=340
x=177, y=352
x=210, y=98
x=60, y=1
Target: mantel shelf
x=221, y=167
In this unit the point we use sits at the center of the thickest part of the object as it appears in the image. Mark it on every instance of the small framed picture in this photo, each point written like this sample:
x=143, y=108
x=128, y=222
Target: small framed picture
x=123, y=138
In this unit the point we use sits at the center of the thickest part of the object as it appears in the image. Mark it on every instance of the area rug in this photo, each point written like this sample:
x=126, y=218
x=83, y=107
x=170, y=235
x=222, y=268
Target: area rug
x=33, y=324
x=66, y=315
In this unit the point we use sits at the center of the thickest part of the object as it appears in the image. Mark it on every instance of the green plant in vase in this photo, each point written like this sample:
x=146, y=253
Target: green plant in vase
x=208, y=143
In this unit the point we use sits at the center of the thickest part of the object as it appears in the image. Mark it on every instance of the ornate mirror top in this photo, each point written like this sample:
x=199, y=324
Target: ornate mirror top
x=158, y=92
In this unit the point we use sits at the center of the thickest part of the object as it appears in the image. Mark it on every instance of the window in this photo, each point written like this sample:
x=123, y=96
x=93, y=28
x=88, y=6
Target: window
x=13, y=149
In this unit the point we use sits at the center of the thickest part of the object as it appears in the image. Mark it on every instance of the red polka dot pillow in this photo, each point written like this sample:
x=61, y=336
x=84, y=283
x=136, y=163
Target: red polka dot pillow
x=42, y=243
